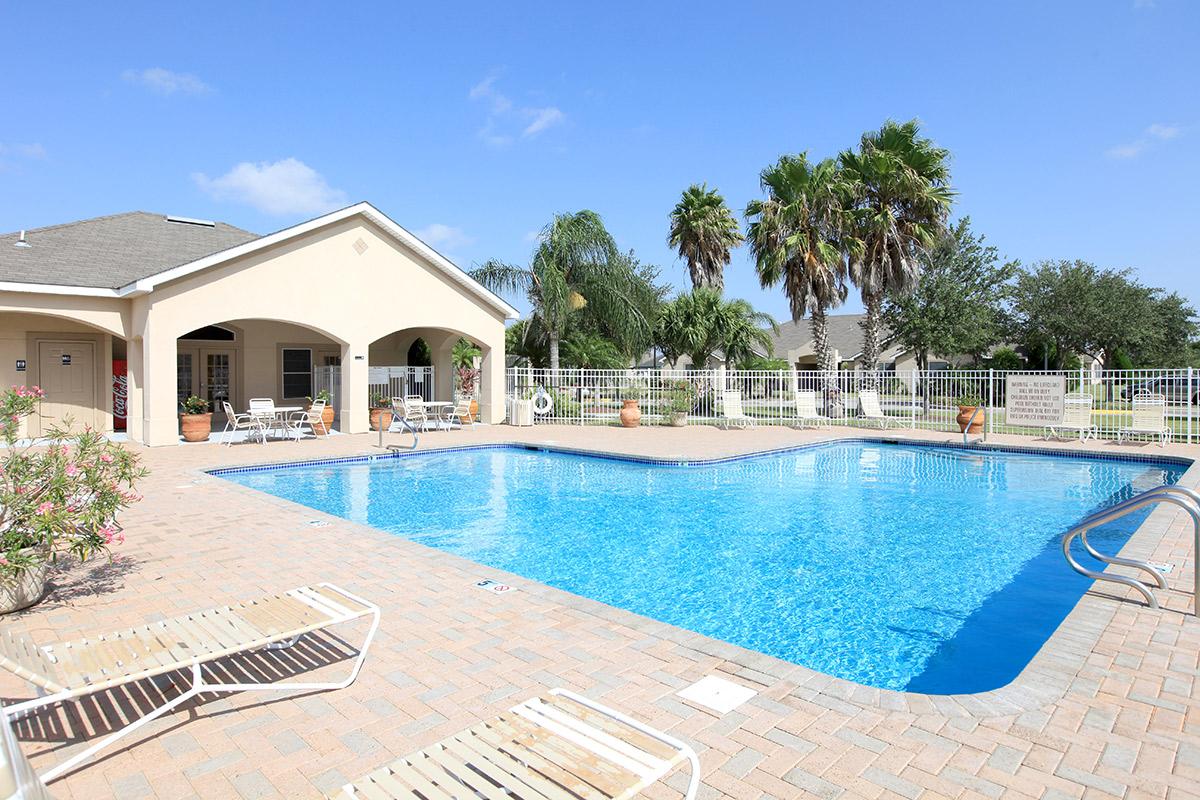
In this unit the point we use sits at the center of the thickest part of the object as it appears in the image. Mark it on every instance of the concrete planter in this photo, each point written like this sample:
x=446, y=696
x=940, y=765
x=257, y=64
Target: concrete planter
x=25, y=589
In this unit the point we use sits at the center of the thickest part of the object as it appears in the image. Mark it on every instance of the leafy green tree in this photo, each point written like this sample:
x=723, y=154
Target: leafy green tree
x=701, y=323
x=959, y=306
x=763, y=364
x=592, y=351
x=901, y=185
x=575, y=264
x=704, y=231
x=799, y=236
x=464, y=353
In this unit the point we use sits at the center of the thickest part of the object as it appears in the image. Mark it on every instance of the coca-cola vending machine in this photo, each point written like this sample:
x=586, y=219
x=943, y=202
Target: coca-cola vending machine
x=120, y=384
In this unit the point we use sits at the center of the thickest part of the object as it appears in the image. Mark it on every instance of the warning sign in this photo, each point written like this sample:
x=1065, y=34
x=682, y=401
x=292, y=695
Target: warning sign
x=1034, y=400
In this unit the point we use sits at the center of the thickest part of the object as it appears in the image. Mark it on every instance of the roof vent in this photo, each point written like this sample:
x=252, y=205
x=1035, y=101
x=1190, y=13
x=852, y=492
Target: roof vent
x=203, y=223
x=21, y=241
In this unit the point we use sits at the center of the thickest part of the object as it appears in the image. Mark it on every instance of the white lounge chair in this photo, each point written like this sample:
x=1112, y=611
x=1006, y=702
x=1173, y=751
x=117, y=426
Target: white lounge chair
x=264, y=409
x=559, y=746
x=1149, y=418
x=868, y=404
x=234, y=422
x=732, y=413
x=460, y=414
x=18, y=781
x=412, y=411
x=806, y=410
x=1077, y=418
x=76, y=669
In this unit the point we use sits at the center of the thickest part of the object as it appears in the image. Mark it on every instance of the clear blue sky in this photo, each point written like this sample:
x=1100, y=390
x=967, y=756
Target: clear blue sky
x=1073, y=125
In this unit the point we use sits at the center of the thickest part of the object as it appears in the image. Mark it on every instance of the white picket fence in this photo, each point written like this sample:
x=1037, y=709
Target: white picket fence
x=915, y=399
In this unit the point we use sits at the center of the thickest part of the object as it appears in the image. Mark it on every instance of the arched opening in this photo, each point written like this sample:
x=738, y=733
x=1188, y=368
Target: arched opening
x=227, y=363
x=439, y=364
x=419, y=354
x=80, y=366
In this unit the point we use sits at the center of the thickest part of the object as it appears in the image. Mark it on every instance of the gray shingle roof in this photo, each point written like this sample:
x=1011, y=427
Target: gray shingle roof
x=845, y=334
x=110, y=252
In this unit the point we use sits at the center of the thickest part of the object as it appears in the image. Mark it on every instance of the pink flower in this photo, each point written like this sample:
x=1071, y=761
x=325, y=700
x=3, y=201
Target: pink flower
x=3, y=560
x=120, y=537
x=106, y=458
x=72, y=470
x=108, y=533
x=45, y=508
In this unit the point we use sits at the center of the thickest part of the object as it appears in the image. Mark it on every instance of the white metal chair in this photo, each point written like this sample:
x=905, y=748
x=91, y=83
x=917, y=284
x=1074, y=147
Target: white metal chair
x=264, y=409
x=732, y=412
x=806, y=410
x=413, y=412
x=313, y=418
x=560, y=745
x=234, y=422
x=460, y=414
x=868, y=405
x=71, y=670
x=1149, y=418
x=1077, y=418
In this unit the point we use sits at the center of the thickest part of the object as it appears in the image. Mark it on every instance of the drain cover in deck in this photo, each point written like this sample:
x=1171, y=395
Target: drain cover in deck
x=718, y=694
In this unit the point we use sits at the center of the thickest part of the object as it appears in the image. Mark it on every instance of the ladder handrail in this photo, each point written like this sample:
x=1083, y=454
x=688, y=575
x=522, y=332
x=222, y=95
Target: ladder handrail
x=408, y=426
x=971, y=422
x=1180, y=496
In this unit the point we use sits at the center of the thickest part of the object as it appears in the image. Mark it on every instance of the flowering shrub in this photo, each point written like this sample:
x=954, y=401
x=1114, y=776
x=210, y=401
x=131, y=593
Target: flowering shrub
x=467, y=378
x=61, y=495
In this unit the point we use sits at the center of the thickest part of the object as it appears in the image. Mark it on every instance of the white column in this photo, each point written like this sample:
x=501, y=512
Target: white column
x=355, y=404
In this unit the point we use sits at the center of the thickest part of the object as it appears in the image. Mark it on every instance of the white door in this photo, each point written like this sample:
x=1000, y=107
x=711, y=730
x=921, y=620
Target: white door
x=217, y=381
x=67, y=373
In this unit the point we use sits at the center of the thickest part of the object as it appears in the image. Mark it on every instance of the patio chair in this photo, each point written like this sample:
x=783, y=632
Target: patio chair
x=72, y=670
x=313, y=418
x=413, y=412
x=264, y=409
x=1149, y=418
x=557, y=746
x=806, y=409
x=1077, y=418
x=868, y=406
x=460, y=413
x=241, y=422
x=732, y=413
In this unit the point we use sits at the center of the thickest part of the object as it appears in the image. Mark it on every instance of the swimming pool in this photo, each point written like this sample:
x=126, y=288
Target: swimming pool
x=924, y=568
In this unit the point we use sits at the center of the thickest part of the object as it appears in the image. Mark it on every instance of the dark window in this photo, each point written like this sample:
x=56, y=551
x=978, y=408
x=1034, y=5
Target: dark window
x=210, y=333
x=297, y=372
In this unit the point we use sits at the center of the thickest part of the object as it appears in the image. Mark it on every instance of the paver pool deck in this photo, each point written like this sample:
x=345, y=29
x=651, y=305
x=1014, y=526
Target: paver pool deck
x=1108, y=708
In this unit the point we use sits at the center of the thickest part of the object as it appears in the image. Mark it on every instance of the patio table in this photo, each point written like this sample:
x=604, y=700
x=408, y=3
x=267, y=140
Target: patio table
x=275, y=418
x=439, y=407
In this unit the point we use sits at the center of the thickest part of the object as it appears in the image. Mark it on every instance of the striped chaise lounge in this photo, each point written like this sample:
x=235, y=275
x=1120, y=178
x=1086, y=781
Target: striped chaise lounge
x=559, y=746
x=75, y=669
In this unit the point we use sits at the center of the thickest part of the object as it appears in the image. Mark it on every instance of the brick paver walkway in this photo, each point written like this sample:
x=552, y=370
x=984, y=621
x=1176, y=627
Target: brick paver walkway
x=1107, y=709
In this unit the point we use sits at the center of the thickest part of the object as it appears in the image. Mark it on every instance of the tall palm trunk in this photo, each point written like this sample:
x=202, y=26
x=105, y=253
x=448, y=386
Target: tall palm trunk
x=820, y=332
x=870, y=352
x=553, y=336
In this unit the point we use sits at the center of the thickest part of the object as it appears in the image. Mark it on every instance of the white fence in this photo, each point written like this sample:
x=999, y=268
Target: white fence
x=381, y=382
x=915, y=399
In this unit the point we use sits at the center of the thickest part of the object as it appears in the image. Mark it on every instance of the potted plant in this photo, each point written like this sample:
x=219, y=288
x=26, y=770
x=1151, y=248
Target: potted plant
x=196, y=420
x=680, y=401
x=468, y=379
x=55, y=499
x=381, y=413
x=326, y=413
x=967, y=406
x=631, y=415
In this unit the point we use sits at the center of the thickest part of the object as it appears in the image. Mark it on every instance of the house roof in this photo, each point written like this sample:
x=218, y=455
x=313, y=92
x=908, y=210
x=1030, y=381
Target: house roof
x=129, y=254
x=110, y=252
x=845, y=335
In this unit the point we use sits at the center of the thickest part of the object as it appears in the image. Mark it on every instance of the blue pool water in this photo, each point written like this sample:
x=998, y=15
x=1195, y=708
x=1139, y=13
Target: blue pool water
x=901, y=567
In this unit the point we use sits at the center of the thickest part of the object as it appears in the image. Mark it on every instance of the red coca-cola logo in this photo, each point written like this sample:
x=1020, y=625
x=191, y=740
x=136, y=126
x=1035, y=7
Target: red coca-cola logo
x=120, y=395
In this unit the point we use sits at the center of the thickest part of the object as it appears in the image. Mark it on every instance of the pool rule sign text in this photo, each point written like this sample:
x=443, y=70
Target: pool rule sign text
x=1034, y=400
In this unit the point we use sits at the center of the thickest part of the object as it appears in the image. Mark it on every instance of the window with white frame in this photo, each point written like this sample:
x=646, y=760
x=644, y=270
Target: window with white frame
x=297, y=372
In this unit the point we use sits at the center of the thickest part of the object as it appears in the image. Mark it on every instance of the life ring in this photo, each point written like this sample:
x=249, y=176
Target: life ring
x=543, y=403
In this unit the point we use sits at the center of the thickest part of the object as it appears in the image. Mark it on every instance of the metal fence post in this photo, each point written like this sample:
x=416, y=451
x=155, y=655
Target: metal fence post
x=1189, y=406
x=991, y=402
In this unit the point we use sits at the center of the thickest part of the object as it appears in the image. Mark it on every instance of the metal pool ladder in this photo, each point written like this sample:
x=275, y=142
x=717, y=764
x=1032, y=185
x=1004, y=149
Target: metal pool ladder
x=1187, y=499
x=408, y=428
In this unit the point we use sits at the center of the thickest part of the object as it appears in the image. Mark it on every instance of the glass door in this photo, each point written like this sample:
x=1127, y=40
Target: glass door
x=216, y=381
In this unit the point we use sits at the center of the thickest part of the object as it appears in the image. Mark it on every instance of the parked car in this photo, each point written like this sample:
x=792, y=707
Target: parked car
x=1175, y=389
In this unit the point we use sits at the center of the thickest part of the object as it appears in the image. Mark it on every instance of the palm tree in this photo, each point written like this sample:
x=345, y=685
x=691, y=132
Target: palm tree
x=704, y=230
x=799, y=236
x=575, y=264
x=902, y=192
x=700, y=323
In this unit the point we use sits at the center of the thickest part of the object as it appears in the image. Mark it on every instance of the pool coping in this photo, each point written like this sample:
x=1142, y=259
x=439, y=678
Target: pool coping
x=1046, y=678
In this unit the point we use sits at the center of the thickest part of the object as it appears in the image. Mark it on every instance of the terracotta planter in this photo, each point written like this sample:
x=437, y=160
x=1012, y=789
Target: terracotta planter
x=327, y=418
x=23, y=590
x=631, y=415
x=677, y=419
x=380, y=418
x=964, y=416
x=196, y=427
x=474, y=410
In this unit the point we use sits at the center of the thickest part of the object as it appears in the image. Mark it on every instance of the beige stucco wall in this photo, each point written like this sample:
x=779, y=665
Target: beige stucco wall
x=20, y=334
x=322, y=282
